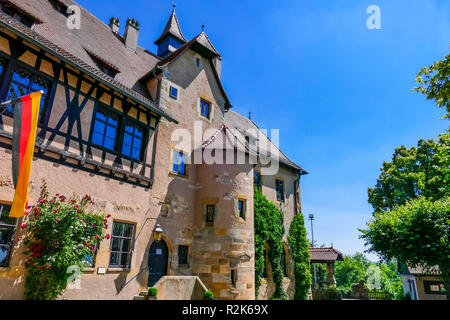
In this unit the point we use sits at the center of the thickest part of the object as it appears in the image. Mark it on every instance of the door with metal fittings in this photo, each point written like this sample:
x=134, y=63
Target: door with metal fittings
x=157, y=261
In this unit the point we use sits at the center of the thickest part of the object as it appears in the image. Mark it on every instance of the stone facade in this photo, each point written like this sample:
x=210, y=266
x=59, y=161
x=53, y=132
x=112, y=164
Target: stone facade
x=144, y=193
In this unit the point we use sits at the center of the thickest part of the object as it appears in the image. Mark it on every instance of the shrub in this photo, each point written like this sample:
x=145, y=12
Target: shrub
x=152, y=292
x=58, y=234
x=208, y=295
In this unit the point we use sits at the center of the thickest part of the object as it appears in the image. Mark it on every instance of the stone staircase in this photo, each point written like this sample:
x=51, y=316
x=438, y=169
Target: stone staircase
x=177, y=288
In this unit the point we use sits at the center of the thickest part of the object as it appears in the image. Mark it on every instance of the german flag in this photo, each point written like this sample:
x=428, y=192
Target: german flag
x=26, y=113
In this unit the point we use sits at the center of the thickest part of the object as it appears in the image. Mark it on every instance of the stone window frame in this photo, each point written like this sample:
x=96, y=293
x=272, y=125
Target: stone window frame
x=244, y=199
x=175, y=97
x=186, y=166
x=131, y=247
x=207, y=202
x=188, y=250
x=211, y=107
x=233, y=278
x=283, y=190
x=13, y=235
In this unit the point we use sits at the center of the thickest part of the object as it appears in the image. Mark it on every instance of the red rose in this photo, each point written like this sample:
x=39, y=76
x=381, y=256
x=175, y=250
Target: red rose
x=94, y=225
x=57, y=220
x=107, y=236
x=108, y=215
x=47, y=265
x=23, y=226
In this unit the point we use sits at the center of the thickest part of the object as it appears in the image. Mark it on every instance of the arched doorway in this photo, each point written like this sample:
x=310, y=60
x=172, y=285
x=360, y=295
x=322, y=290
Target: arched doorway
x=157, y=261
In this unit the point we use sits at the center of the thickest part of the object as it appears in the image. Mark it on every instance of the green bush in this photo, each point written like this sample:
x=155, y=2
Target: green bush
x=208, y=295
x=58, y=233
x=152, y=292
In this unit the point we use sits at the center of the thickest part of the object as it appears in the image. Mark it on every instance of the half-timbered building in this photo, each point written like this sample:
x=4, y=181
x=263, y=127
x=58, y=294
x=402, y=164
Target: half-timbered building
x=106, y=128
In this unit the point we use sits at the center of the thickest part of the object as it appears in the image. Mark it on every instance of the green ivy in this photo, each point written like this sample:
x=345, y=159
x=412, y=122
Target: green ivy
x=300, y=254
x=269, y=227
x=58, y=234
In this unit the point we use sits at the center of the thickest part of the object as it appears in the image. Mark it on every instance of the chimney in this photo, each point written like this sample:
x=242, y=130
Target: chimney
x=217, y=61
x=131, y=34
x=114, y=24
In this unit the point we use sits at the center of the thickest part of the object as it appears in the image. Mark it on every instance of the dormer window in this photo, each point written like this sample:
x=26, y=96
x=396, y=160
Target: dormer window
x=60, y=7
x=17, y=14
x=104, y=66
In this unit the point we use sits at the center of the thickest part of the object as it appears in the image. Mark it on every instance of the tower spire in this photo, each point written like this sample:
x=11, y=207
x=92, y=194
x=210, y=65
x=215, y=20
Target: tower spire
x=171, y=38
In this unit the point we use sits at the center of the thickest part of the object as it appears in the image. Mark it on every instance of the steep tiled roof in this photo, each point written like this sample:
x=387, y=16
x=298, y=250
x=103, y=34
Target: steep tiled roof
x=172, y=27
x=76, y=47
x=237, y=121
x=418, y=270
x=325, y=255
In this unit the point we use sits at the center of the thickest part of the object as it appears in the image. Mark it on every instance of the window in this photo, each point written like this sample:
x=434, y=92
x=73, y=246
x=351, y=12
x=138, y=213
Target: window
x=60, y=7
x=173, y=92
x=15, y=13
x=106, y=125
x=210, y=208
x=7, y=229
x=241, y=208
x=205, y=108
x=179, y=165
x=233, y=275
x=103, y=65
x=279, y=186
x=132, y=141
x=257, y=180
x=89, y=259
x=24, y=82
x=434, y=287
x=121, y=242
x=183, y=255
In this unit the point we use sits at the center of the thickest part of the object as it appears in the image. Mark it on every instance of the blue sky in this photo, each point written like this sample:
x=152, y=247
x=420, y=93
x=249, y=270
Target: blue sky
x=339, y=93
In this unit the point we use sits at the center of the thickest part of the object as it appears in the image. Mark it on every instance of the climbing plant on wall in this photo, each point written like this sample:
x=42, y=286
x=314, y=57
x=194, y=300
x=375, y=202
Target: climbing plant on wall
x=58, y=233
x=300, y=254
x=269, y=228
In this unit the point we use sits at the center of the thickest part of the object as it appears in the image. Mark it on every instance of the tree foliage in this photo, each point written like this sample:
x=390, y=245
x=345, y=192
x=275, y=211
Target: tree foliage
x=269, y=228
x=351, y=270
x=357, y=267
x=434, y=83
x=58, y=234
x=416, y=233
x=419, y=171
x=299, y=246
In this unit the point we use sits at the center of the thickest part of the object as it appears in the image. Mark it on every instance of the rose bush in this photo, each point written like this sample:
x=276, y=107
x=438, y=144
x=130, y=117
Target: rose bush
x=58, y=234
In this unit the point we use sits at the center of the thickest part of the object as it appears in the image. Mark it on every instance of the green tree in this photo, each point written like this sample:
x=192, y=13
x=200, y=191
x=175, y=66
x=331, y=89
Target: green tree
x=434, y=83
x=416, y=233
x=300, y=255
x=351, y=270
x=419, y=171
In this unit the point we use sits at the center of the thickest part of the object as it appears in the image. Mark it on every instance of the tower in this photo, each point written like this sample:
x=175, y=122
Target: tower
x=171, y=38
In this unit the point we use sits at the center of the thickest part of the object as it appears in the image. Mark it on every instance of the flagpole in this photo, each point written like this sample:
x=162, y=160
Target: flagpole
x=13, y=100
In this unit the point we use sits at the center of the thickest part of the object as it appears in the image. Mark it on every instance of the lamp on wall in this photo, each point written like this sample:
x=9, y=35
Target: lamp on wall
x=157, y=233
